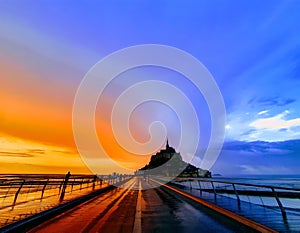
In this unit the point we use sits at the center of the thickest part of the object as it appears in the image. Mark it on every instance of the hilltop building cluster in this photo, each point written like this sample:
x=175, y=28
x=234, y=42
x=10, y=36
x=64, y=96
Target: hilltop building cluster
x=174, y=166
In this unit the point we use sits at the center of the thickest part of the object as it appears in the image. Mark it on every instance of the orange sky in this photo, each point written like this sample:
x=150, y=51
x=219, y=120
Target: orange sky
x=36, y=125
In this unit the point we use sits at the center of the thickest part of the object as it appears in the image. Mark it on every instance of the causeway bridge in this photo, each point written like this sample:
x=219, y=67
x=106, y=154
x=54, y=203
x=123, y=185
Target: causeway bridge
x=90, y=204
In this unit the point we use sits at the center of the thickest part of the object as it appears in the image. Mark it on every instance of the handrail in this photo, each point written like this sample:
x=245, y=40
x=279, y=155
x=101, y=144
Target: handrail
x=247, y=184
x=241, y=219
x=273, y=191
x=44, y=191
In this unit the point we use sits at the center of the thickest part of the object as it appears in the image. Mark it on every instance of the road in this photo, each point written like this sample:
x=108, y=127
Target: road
x=139, y=210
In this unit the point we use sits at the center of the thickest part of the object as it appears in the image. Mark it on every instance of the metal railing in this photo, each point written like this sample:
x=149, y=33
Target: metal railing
x=25, y=195
x=264, y=195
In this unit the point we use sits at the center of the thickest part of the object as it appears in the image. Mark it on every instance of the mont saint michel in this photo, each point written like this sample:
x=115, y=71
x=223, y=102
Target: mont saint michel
x=173, y=165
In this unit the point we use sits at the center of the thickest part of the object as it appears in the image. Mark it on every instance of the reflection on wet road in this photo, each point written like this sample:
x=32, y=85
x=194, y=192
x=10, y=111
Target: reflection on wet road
x=165, y=211
x=130, y=210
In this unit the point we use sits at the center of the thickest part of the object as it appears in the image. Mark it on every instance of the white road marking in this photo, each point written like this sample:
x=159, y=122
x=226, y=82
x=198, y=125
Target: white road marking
x=138, y=213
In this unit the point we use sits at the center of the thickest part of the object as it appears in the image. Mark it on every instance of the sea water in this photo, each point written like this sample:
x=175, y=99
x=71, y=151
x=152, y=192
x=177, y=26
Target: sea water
x=282, y=181
x=285, y=181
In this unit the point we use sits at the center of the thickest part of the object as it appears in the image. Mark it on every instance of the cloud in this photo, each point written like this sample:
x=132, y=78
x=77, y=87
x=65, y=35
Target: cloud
x=271, y=126
x=21, y=152
x=263, y=112
x=252, y=169
x=276, y=122
x=276, y=101
x=36, y=151
x=262, y=147
x=248, y=169
x=248, y=132
x=15, y=154
x=259, y=157
x=271, y=101
x=28, y=155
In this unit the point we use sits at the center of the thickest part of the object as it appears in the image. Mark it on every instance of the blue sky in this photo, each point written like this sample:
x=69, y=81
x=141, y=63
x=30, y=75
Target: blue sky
x=252, y=49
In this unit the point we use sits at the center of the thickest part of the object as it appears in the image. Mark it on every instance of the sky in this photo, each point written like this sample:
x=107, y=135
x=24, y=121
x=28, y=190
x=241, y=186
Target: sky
x=251, y=48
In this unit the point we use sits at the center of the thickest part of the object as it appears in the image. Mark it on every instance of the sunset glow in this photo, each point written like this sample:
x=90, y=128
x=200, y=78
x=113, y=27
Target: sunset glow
x=48, y=47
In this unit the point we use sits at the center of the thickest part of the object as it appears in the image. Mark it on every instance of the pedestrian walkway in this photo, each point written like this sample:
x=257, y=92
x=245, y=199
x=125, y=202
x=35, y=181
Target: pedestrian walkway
x=264, y=215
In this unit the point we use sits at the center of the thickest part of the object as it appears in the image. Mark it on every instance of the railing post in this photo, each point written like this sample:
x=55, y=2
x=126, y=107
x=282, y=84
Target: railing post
x=200, y=187
x=43, y=190
x=81, y=183
x=17, y=193
x=279, y=203
x=60, y=187
x=72, y=185
x=237, y=195
x=212, y=184
x=7, y=192
x=94, y=182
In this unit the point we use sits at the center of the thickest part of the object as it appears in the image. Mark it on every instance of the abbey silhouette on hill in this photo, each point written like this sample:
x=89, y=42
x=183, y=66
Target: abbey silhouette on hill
x=175, y=166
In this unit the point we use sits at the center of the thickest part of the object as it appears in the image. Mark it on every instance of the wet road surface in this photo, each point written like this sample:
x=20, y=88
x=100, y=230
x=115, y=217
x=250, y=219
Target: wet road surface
x=139, y=210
